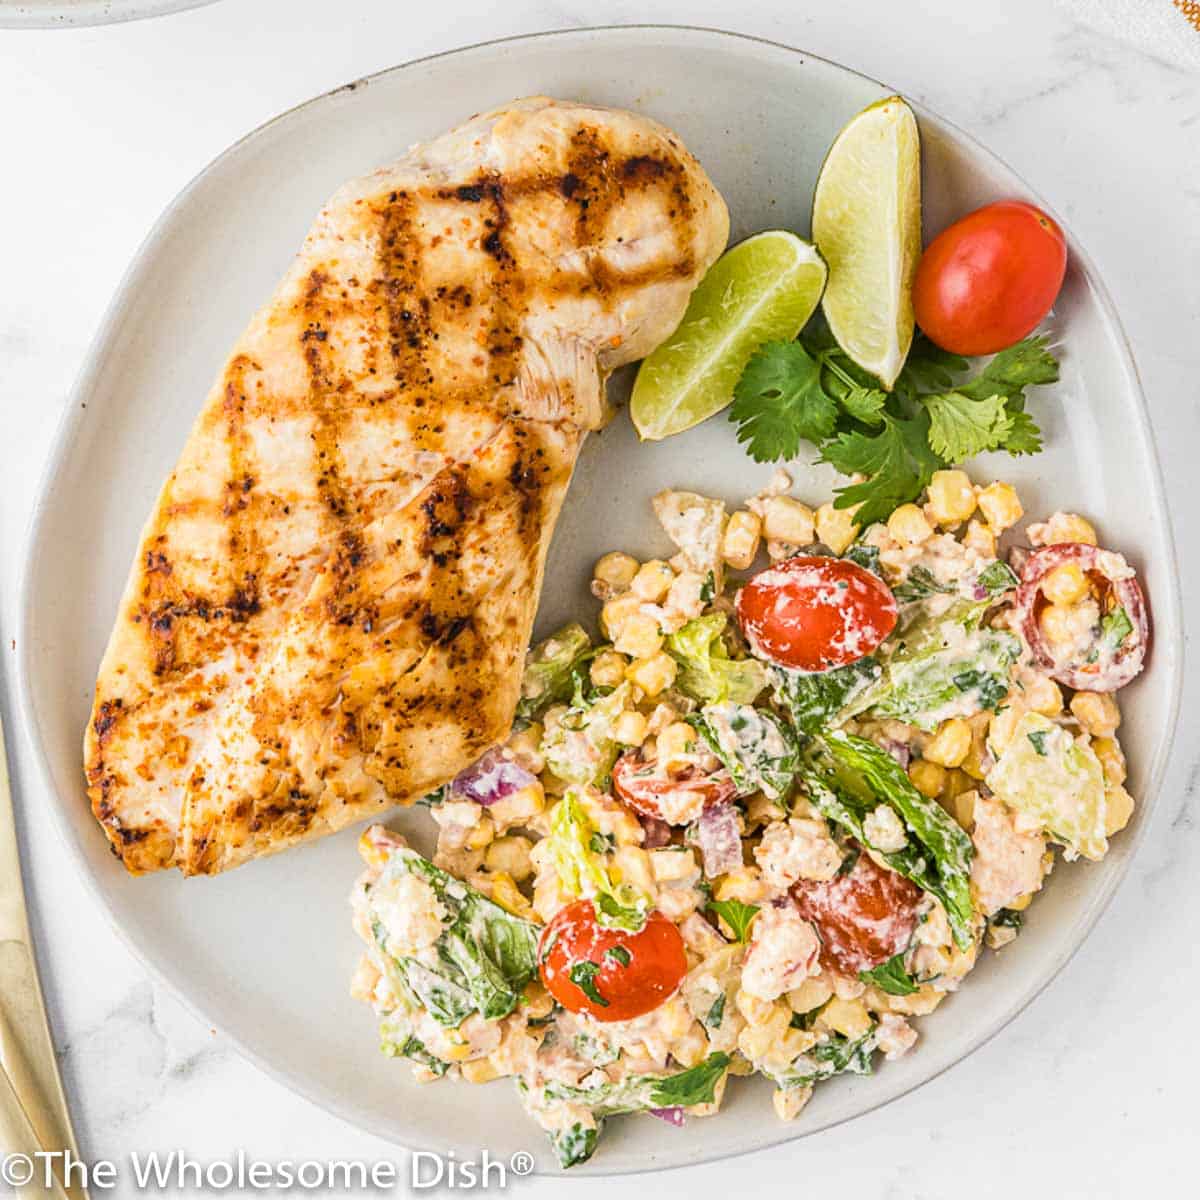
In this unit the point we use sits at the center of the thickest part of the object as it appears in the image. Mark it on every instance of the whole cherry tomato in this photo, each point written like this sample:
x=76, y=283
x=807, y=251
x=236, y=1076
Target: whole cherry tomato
x=988, y=280
x=675, y=801
x=863, y=917
x=814, y=613
x=610, y=974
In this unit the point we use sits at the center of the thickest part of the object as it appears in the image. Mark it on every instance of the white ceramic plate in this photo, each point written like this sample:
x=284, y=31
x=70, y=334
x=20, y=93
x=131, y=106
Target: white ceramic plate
x=265, y=952
x=63, y=14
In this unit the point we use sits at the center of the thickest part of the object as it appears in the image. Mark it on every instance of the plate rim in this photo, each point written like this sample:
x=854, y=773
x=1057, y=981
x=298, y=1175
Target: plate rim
x=87, y=13
x=1169, y=602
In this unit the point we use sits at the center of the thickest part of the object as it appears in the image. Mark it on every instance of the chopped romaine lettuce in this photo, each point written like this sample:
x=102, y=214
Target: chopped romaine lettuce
x=824, y=699
x=947, y=666
x=1060, y=785
x=996, y=579
x=756, y=748
x=706, y=672
x=550, y=668
x=581, y=870
x=396, y=1040
x=637, y=1093
x=847, y=777
x=834, y=1056
x=580, y=747
x=920, y=584
x=481, y=960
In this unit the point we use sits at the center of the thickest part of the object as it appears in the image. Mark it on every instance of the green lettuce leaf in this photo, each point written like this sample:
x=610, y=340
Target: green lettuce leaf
x=550, y=668
x=706, y=672
x=818, y=700
x=847, y=777
x=758, y=750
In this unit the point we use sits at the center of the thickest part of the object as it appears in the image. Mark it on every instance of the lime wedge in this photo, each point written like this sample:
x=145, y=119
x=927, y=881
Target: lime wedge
x=867, y=225
x=762, y=290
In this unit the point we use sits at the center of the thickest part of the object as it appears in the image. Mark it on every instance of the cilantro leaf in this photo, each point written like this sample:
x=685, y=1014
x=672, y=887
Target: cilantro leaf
x=891, y=977
x=737, y=916
x=1027, y=363
x=960, y=428
x=779, y=402
x=897, y=461
x=619, y=955
x=1024, y=437
x=928, y=368
x=583, y=976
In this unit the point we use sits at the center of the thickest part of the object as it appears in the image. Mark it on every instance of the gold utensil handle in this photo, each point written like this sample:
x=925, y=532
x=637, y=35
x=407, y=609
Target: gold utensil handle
x=31, y=1074
x=21, y=1148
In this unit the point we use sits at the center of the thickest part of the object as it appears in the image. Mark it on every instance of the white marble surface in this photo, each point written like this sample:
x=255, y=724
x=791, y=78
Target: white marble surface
x=1088, y=1093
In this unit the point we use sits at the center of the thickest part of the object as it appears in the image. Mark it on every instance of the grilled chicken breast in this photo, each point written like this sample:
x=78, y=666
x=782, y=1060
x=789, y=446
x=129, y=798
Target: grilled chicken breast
x=330, y=603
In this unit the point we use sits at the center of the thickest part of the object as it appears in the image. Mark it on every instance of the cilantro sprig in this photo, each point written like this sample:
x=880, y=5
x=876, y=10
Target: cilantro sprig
x=811, y=391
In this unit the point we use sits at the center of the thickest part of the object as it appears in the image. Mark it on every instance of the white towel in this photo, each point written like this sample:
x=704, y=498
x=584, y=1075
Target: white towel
x=1168, y=29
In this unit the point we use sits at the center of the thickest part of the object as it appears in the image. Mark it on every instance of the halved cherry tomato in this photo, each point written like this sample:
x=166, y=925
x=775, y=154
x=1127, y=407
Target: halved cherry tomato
x=607, y=973
x=676, y=801
x=988, y=280
x=814, y=613
x=863, y=917
x=1108, y=667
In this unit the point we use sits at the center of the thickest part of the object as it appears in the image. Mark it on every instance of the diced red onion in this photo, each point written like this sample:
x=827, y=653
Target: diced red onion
x=672, y=1115
x=898, y=750
x=657, y=833
x=492, y=778
x=719, y=839
x=979, y=592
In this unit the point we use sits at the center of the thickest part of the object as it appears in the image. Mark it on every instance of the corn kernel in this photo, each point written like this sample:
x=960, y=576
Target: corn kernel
x=927, y=777
x=675, y=744
x=1112, y=759
x=526, y=748
x=510, y=855
x=673, y=864
x=639, y=637
x=1044, y=696
x=608, y=668
x=518, y=807
x=811, y=993
x=741, y=884
x=787, y=520
x=479, y=1070
x=909, y=526
x=1058, y=623
x=1071, y=527
x=506, y=894
x=836, y=527
x=949, y=746
x=631, y=864
x=482, y=834
x=1066, y=584
x=1097, y=712
x=616, y=570
x=963, y=808
x=616, y=612
x=630, y=728
x=739, y=546
x=653, y=581
x=1021, y=903
x=1001, y=506
x=847, y=1017
x=1002, y=728
x=1118, y=809
x=980, y=539
x=653, y=675
x=788, y=1102
x=951, y=497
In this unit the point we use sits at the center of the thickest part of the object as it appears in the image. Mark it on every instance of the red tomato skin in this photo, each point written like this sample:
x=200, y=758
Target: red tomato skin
x=657, y=963
x=642, y=792
x=863, y=917
x=989, y=280
x=813, y=614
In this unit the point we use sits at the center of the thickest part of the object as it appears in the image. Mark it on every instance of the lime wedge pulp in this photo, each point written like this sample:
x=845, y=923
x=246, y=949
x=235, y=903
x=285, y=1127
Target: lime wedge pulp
x=762, y=290
x=867, y=225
